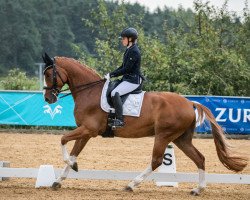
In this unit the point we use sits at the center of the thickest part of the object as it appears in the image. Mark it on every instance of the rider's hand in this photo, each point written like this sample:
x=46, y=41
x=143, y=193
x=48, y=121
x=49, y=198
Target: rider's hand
x=107, y=76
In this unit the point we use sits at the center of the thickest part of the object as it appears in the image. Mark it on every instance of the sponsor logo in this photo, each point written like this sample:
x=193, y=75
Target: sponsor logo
x=52, y=113
x=233, y=115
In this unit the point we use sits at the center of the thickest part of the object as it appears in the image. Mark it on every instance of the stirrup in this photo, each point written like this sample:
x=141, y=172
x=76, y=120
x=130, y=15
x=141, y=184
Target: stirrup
x=117, y=123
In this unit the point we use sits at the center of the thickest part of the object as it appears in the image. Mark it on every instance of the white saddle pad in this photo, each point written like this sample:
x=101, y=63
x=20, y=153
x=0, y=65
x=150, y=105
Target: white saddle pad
x=131, y=107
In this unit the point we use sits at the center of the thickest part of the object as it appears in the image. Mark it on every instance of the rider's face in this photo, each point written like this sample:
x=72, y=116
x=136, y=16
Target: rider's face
x=124, y=41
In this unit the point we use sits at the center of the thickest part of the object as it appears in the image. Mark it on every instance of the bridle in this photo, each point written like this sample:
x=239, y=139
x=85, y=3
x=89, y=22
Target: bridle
x=54, y=88
x=56, y=91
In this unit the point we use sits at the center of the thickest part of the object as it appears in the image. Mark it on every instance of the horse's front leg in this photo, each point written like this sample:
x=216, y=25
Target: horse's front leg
x=81, y=135
x=78, y=147
x=71, y=160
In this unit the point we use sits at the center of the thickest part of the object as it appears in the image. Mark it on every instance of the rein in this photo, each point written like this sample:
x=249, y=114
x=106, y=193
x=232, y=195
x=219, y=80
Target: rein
x=56, y=91
x=85, y=86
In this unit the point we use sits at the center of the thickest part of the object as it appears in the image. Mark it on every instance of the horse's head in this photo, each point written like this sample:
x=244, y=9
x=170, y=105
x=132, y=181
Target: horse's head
x=54, y=79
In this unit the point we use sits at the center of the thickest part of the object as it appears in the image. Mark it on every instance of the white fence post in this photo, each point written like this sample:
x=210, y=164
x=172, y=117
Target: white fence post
x=46, y=176
x=4, y=164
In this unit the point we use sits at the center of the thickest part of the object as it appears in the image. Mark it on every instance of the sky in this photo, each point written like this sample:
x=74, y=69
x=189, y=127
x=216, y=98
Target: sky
x=233, y=5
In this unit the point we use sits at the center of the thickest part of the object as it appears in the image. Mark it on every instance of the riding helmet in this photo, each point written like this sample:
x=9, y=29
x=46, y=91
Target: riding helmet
x=130, y=33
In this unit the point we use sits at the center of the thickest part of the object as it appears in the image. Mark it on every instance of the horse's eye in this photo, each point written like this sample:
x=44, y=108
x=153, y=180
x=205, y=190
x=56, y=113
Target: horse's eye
x=47, y=75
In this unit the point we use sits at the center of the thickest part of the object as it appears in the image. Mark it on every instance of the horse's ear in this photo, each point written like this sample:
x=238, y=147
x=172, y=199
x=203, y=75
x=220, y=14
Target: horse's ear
x=44, y=59
x=47, y=60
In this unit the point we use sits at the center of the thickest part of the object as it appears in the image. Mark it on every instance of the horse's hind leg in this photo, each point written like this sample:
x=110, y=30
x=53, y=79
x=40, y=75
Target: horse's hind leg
x=184, y=142
x=160, y=145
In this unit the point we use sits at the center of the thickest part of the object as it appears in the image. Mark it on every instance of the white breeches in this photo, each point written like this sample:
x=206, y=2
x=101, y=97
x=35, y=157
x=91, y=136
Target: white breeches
x=124, y=88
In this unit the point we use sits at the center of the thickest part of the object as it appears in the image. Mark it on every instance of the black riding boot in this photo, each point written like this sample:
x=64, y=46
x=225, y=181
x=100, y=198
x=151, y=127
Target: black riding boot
x=117, y=102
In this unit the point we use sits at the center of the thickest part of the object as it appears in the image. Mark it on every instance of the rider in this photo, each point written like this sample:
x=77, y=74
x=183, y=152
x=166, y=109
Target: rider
x=130, y=70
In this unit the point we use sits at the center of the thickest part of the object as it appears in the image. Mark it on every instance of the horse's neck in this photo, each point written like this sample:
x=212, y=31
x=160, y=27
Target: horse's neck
x=80, y=75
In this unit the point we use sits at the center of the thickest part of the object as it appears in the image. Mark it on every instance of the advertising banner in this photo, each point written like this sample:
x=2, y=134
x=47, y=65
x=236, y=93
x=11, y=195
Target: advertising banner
x=232, y=113
x=29, y=108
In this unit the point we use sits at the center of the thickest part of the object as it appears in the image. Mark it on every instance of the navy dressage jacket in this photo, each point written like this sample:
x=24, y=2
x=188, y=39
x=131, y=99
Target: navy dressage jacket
x=130, y=68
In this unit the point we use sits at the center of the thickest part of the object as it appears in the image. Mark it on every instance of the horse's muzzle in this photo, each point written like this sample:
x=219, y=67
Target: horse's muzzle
x=47, y=99
x=51, y=99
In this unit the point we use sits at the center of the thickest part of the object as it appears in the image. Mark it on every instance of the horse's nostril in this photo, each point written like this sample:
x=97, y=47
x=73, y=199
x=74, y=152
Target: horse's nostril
x=46, y=99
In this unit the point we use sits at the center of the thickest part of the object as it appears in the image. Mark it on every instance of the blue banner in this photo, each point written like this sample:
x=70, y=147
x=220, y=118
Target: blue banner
x=29, y=108
x=231, y=113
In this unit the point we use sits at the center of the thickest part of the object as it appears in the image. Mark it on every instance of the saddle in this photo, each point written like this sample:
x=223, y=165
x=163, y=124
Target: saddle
x=113, y=84
x=109, y=132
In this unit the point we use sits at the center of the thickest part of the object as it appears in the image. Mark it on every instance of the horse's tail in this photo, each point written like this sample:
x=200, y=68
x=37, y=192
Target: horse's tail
x=228, y=158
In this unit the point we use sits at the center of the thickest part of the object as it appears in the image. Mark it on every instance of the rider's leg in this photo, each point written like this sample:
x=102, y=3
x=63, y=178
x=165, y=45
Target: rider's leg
x=117, y=102
x=123, y=88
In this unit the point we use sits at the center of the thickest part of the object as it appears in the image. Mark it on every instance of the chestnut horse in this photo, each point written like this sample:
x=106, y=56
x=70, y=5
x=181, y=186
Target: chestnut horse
x=168, y=116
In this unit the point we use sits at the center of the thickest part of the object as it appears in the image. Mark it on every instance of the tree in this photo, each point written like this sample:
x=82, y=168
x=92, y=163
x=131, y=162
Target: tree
x=201, y=52
x=20, y=40
x=18, y=80
x=218, y=69
x=108, y=49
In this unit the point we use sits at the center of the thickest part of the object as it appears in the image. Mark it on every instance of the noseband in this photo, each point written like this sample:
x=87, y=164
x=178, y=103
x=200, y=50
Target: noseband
x=54, y=89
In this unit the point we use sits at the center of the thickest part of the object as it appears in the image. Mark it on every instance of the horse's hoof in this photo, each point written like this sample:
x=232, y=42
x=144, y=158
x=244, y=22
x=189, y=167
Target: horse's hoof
x=195, y=192
x=75, y=167
x=128, y=189
x=56, y=185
